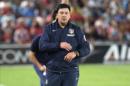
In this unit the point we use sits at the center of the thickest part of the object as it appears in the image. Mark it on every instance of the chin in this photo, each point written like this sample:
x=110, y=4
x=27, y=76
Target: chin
x=65, y=22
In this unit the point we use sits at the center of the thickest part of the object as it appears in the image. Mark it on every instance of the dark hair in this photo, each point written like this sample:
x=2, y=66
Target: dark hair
x=54, y=13
x=60, y=6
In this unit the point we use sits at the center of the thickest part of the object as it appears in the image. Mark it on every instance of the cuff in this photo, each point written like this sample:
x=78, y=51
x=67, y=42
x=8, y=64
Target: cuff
x=77, y=53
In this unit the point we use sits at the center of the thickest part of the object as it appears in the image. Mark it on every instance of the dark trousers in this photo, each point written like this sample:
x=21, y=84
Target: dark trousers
x=62, y=78
x=41, y=76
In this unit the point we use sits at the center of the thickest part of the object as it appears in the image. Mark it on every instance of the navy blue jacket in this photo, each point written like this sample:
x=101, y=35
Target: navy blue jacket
x=50, y=42
x=42, y=57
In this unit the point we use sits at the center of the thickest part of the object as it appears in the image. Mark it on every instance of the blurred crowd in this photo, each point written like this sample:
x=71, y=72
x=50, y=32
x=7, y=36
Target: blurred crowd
x=101, y=20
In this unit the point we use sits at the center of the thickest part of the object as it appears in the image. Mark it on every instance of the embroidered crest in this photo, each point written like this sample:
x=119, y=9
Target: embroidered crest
x=71, y=32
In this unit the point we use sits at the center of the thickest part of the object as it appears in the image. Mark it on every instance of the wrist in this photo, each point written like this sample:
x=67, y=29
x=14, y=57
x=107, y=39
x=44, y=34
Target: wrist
x=42, y=68
x=77, y=53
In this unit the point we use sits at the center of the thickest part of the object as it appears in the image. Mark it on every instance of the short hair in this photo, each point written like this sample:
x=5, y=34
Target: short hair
x=60, y=6
x=54, y=13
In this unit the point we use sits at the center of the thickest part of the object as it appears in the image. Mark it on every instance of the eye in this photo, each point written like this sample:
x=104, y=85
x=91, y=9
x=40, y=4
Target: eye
x=66, y=13
x=61, y=12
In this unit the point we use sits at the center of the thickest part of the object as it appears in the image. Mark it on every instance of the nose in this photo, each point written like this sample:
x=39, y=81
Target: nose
x=64, y=15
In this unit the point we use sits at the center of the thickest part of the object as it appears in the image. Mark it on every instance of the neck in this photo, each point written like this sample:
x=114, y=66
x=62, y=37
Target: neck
x=62, y=25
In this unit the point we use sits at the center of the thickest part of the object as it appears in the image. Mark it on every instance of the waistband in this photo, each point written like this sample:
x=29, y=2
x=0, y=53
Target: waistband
x=64, y=71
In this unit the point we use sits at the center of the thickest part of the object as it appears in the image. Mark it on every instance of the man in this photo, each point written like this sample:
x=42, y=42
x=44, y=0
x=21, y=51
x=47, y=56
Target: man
x=65, y=44
x=39, y=59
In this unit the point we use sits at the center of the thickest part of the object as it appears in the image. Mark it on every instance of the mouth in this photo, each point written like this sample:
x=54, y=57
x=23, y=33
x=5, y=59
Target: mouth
x=64, y=19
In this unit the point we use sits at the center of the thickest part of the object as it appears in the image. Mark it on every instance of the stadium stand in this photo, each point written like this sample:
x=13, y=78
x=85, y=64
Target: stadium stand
x=101, y=20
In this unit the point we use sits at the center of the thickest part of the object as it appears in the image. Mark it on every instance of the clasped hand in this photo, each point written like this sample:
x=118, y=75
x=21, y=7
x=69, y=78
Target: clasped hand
x=71, y=55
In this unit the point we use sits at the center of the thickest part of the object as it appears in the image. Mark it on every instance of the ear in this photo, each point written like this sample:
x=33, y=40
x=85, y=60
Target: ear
x=56, y=16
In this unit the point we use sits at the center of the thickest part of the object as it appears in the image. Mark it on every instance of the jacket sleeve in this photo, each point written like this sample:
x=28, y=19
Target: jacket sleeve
x=83, y=45
x=34, y=44
x=45, y=44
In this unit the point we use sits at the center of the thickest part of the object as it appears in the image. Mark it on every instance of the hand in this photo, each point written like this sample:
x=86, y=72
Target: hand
x=66, y=46
x=42, y=68
x=70, y=56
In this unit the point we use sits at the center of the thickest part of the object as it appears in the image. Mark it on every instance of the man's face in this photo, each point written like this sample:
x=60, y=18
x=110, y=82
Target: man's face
x=63, y=16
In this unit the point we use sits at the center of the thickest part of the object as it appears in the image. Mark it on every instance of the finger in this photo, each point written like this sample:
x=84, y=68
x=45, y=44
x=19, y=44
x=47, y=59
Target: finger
x=45, y=68
x=68, y=46
x=67, y=49
x=42, y=69
x=68, y=58
x=65, y=58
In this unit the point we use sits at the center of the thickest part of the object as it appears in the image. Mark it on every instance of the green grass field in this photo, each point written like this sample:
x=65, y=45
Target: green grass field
x=90, y=75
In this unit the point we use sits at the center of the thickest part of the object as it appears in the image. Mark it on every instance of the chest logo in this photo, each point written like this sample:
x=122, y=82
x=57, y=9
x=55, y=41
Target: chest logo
x=53, y=30
x=71, y=32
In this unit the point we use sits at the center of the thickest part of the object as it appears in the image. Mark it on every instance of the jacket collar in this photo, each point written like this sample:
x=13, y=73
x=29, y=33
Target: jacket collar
x=58, y=25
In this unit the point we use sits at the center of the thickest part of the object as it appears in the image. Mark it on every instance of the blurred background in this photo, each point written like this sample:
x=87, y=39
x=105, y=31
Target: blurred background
x=101, y=20
x=106, y=24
